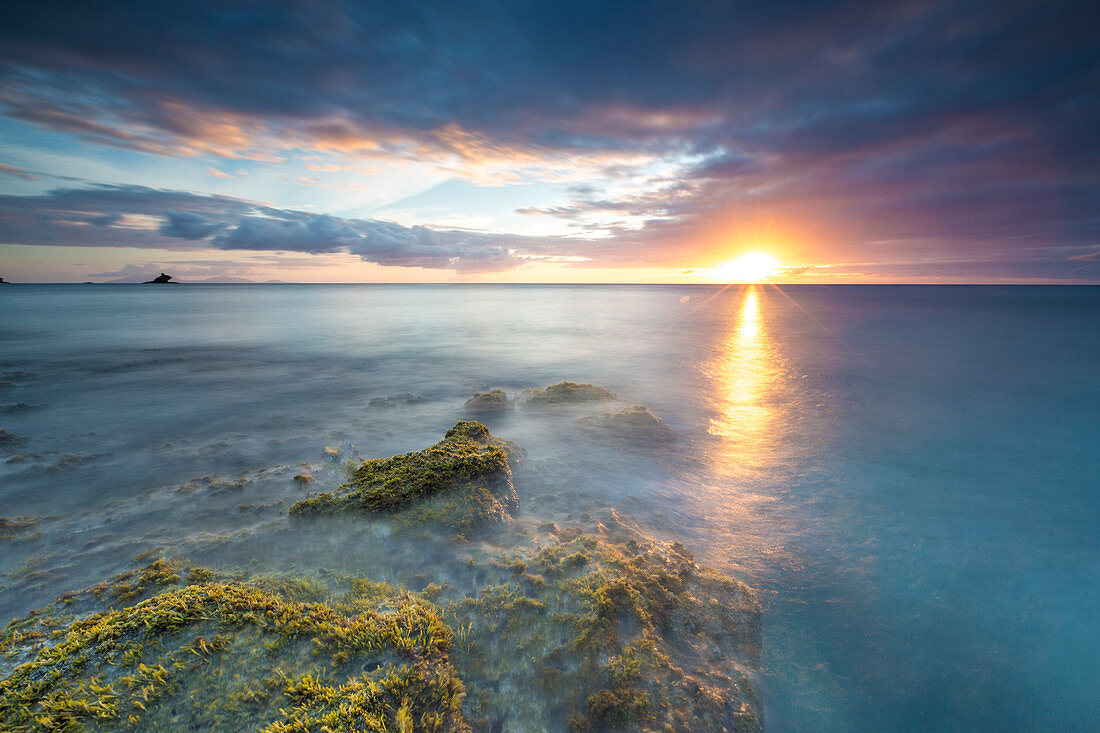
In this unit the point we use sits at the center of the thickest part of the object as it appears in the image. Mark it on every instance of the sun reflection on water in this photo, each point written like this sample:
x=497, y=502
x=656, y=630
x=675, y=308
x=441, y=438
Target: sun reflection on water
x=744, y=376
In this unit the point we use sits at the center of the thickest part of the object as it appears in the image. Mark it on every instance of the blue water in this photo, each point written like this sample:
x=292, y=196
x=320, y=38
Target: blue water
x=911, y=475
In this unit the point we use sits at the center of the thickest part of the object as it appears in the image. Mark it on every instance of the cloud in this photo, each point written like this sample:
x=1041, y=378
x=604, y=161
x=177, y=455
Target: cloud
x=316, y=234
x=18, y=172
x=135, y=216
x=188, y=225
x=484, y=79
x=951, y=129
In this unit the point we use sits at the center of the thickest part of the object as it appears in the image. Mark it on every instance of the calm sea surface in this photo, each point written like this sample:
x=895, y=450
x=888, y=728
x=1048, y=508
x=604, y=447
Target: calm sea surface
x=911, y=475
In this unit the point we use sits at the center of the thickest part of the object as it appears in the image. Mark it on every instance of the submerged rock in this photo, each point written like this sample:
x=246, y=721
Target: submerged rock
x=462, y=482
x=634, y=424
x=387, y=402
x=610, y=636
x=565, y=393
x=484, y=403
x=215, y=653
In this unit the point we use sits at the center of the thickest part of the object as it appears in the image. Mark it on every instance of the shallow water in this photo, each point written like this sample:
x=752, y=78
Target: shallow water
x=909, y=474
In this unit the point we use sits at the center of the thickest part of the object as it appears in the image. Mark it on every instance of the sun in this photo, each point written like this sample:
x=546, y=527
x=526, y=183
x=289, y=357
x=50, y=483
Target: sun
x=752, y=267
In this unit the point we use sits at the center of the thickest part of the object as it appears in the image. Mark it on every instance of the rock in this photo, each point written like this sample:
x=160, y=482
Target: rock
x=218, y=653
x=634, y=424
x=565, y=393
x=462, y=482
x=491, y=402
x=160, y=279
x=611, y=637
x=388, y=402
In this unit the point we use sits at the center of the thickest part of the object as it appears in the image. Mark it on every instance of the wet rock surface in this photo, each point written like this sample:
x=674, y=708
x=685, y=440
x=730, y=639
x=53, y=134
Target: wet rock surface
x=487, y=403
x=462, y=482
x=634, y=424
x=564, y=393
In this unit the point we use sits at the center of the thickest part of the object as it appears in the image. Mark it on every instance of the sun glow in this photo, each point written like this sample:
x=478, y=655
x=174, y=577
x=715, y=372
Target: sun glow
x=752, y=267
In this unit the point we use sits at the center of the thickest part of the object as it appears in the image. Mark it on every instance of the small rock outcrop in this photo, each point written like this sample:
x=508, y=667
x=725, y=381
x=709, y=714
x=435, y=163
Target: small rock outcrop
x=634, y=424
x=565, y=393
x=160, y=279
x=487, y=403
x=462, y=482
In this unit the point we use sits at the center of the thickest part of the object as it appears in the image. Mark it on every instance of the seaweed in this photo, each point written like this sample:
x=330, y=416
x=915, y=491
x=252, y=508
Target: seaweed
x=462, y=482
x=235, y=655
x=631, y=636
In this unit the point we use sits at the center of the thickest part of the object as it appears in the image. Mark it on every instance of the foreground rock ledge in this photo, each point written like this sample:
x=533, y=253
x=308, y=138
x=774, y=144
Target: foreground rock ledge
x=209, y=653
x=582, y=635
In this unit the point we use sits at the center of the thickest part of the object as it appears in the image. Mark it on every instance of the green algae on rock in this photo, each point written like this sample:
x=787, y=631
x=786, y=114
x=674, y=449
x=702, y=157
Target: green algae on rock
x=610, y=636
x=633, y=424
x=228, y=654
x=580, y=634
x=461, y=482
x=565, y=393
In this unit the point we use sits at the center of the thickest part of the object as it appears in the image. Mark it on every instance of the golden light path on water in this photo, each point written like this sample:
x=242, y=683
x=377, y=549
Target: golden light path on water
x=744, y=375
x=748, y=426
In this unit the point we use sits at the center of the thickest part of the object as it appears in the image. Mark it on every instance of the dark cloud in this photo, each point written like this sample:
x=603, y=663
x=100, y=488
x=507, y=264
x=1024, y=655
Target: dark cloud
x=316, y=234
x=136, y=216
x=802, y=76
x=188, y=225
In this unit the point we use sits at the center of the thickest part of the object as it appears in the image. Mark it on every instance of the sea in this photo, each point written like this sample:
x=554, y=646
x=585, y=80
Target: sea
x=909, y=475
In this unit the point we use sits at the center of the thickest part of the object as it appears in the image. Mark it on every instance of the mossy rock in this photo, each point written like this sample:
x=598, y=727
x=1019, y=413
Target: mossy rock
x=565, y=393
x=582, y=635
x=634, y=424
x=601, y=636
x=462, y=482
x=487, y=403
x=229, y=655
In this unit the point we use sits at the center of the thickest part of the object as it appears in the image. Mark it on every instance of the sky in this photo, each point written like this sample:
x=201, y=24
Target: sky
x=524, y=141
